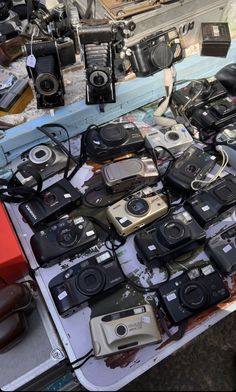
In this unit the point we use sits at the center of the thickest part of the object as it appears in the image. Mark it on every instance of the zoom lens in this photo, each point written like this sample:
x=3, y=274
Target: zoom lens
x=193, y=296
x=137, y=206
x=174, y=230
x=40, y=155
x=67, y=237
x=90, y=281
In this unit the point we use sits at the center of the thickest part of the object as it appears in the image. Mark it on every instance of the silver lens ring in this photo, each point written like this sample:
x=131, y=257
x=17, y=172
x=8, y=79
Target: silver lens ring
x=40, y=155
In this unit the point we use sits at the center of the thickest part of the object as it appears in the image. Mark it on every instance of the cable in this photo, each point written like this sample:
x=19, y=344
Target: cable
x=86, y=360
x=81, y=358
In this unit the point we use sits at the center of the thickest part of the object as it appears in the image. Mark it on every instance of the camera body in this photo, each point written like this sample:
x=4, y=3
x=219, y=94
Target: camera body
x=136, y=211
x=192, y=292
x=97, y=44
x=168, y=238
x=63, y=239
x=156, y=52
x=207, y=204
x=129, y=173
x=56, y=199
x=46, y=160
x=176, y=139
x=113, y=140
x=222, y=250
x=10, y=24
x=124, y=330
x=192, y=165
x=46, y=75
x=85, y=282
x=227, y=139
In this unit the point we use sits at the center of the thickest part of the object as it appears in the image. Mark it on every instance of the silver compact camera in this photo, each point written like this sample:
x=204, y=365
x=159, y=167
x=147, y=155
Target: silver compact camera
x=136, y=211
x=129, y=173
x=124, y=330
x=176, y=139
x=46, y=160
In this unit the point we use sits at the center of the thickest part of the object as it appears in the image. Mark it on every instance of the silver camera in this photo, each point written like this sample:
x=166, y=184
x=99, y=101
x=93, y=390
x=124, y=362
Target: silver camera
x=136, y=211
x=176, y=139
x=47, y=160
x=129, y=173
x=124, y=330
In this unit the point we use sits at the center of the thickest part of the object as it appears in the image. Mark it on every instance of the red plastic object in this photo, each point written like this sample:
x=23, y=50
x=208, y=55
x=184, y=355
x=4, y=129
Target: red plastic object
x=13, y=263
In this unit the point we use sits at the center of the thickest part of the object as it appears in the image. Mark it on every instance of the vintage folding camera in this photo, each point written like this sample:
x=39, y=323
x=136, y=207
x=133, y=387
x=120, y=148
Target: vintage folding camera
x=193, y=164
x=207, y=204
x=226, y=140
x=156, y=52
x=84, y=282
x=46, y=73
x=97, y=44
x=124, y=330
x=63, y=239
x=113, y=140
x=129, y=173
x=168, y=238
x=44, y=159
x=136, y=211
x=50, y=203
x=176, y=139
x=192, y=292
x=222, y=250
x=196, y=94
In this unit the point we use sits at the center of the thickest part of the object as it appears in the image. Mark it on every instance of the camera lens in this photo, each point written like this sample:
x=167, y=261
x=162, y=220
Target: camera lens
x=40, y=155
x=173, y=136
x=4, y=11
x=193, y=295
x=137, y=206
x=98, y=78
x=49, y=198
x=46, y=84
x=191, y=169
x=174, y=230
x=67, y=237
x=121, y=330
x=162, y=56
x=90, y=281
x=113, y=134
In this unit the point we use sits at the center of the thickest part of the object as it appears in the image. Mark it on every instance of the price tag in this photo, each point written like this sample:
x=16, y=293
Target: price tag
x=31, y=61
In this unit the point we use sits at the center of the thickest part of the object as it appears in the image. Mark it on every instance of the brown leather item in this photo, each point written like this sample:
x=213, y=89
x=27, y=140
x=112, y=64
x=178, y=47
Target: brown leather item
x=12, y=298
x=119, y=9
x=12, y=331
x=10, y=50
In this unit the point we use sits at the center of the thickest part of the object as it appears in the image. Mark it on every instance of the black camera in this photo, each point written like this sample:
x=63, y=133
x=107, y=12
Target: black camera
x=63, y=239
x=112, y=140
x=222, y=250
x=85, y=282
x=156, y=52
x=97, y=44
x=10, y=24
x=57, y=199
x=207, y=204
x=168, y=238
x=192, y=292
x=193, y=165
x=46, y=73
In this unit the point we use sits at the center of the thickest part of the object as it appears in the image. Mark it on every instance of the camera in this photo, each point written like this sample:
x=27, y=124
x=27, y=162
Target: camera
x=207, y=204
x=222, y=250
x=97, y=45
x=85, y=282
x=46, y=73
x=129, y=173
x=176, y=139
x=168, y=238
x=112, y=140
x=193, y=165
x=46, y=160
x=192, y=292
x=226, y=138
x=124, y=330
x=156, y=52
x=136, y=211
x=10, y=24
x=48, y=204
x=63, y=239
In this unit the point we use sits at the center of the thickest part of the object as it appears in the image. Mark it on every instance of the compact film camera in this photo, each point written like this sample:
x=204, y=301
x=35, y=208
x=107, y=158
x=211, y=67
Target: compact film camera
x=168, y=238
x=192, y=292
x=112, y=140
x=226, y=138
x=156, y=52
x=85, y=282
x=136, y=211
x=129, y=173
x=124, y=330
x=207, y=204
x=63, y=239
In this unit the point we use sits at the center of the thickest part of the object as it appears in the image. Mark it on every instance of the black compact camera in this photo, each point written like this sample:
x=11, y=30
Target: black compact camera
x=63, y=239
x=46, y=73
x=48, y=204
x=222, y=250
x=85, y=282
x=193, y=165
x=192, y=292
x=10, y=24
x=168, y=238
x=112, y=140
x=156, y=52
x=97, y=44
x=207, y=204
